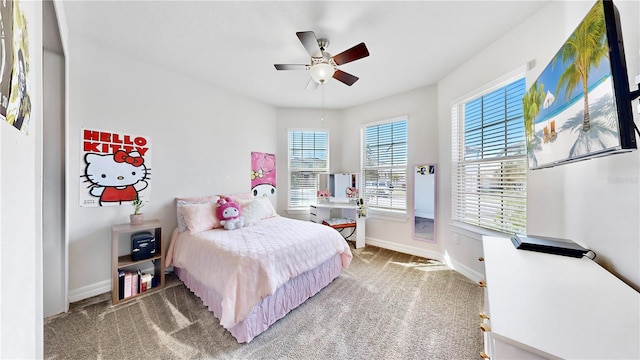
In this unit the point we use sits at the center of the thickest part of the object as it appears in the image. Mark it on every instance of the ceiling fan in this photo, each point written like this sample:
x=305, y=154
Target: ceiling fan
x=323, y=66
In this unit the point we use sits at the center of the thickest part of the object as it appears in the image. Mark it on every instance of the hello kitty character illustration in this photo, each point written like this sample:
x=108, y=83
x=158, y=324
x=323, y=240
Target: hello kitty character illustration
x=117, y=177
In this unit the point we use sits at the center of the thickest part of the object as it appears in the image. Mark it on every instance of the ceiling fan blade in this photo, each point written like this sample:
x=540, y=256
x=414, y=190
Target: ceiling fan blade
x=290, y=66
x=311, y=85
x=345, y=77
x=357, y=52
x=310, y=42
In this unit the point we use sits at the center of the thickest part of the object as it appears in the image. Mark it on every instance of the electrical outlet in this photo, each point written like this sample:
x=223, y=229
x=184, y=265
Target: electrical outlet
x=456, y=238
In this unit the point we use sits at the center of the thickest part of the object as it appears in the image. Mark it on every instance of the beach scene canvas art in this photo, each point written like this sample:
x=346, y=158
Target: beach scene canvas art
x=570, y=110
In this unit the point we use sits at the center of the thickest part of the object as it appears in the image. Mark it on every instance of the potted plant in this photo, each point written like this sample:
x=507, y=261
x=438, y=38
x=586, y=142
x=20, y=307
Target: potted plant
x=137, y=217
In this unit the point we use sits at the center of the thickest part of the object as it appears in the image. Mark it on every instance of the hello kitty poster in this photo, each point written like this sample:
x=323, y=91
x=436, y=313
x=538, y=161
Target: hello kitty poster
x=116, y=168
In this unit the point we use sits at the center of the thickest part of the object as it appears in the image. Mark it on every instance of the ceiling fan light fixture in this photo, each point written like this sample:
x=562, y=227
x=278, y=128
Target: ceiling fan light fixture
x=322, y=72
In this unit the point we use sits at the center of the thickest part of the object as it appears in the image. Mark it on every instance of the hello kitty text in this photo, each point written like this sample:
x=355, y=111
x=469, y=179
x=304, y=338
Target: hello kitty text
x=107, y=142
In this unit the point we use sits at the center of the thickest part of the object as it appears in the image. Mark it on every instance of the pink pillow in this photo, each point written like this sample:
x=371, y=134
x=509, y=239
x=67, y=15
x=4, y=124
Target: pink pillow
x=199, y=217
x=182, y=226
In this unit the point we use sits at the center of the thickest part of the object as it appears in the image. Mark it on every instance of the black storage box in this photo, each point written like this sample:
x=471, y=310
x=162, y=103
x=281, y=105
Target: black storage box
x=143, y=245
x=548, y=245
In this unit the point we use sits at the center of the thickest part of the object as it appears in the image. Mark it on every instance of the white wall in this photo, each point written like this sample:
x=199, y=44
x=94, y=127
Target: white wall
x=201, y=139
x=344, y=135
x=307, y=119
x=595, y=202
x=420, y=107
x=21, y=333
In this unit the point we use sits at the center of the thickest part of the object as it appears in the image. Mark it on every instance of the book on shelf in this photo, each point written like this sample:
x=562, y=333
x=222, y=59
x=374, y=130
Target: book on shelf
x=127, y=283
x=146, y=280
x=120, y=284
x=135, y=281
x=132, y=283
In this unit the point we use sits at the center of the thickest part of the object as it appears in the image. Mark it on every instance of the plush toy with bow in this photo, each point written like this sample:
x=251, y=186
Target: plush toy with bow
x=229, y=214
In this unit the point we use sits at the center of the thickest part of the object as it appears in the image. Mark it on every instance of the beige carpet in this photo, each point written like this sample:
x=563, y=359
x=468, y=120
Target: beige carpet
x=387, y=305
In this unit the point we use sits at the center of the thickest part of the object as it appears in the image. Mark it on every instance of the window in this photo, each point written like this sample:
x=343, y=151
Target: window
x=489, y=160
x=384, y=165
x=308, y=157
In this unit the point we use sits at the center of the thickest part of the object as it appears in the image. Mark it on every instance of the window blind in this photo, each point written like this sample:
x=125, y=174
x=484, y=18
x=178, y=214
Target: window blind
x=489, y=160
x=384, y=165
x=308, y=157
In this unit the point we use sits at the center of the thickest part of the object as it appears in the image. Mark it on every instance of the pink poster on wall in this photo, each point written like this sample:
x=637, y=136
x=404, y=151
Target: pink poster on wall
x=263, y=174
x=116, y=168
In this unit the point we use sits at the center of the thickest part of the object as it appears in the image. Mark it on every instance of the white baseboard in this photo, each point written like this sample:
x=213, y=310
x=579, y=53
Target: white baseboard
x=465, y=270
x=102, y=287
x=403, y=248
x=88, y=291
x=99, y=288
x=412, y=250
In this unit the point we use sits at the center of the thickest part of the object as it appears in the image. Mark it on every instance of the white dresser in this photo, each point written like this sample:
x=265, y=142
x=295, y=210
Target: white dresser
x=322, y=211
x=544, y=306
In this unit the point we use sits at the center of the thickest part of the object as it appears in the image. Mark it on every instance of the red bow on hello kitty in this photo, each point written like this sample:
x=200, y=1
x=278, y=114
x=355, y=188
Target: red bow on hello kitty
x=121, y=156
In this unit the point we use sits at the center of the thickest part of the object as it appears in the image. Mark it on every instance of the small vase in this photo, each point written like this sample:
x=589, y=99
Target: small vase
x=136, y=219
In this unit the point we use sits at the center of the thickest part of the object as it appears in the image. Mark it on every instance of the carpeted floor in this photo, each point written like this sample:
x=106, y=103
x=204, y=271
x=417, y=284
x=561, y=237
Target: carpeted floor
x=386, y=305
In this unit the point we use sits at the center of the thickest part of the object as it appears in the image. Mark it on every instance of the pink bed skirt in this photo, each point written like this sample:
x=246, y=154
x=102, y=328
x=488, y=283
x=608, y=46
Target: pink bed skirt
x=274, y=307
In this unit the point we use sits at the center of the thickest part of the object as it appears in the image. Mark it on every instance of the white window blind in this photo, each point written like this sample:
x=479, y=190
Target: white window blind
x=384, y=165
x=308, y=157
x=489, y=160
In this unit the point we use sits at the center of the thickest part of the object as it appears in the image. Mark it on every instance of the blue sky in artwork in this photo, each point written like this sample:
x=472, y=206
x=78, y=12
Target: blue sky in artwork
x=550, y=77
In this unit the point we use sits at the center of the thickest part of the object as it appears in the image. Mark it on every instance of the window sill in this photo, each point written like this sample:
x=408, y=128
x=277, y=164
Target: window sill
x=387, y=215
x=475, y=231
x=298, y=211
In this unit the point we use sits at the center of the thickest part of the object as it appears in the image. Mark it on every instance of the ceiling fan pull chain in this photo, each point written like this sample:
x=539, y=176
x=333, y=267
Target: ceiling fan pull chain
x=322, y=105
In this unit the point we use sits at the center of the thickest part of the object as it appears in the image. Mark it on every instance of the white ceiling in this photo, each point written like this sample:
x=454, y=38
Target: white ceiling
x=234, y=44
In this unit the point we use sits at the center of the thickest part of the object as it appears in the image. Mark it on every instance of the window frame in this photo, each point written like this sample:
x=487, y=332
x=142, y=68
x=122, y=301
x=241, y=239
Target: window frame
x=511, y=188
x=291, y=169
x=381, y=211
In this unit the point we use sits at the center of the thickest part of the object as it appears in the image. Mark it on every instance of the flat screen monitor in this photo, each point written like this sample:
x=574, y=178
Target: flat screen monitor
x=580, y=105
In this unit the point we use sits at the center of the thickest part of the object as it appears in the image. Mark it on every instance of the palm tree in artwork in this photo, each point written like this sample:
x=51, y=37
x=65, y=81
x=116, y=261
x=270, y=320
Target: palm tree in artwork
x=586, y=47
x=531, y=106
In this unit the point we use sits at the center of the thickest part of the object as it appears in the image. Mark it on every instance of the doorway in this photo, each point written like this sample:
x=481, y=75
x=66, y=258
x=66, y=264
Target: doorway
x=54, y=235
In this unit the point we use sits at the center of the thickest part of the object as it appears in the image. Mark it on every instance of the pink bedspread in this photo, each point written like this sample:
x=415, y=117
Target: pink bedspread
x=249, y=264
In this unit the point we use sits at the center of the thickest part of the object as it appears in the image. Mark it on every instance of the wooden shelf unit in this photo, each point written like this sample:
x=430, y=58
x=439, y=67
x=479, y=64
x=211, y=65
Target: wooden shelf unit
x=119, y=262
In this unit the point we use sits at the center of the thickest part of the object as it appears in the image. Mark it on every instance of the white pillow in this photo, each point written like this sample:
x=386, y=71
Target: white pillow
x=258, y=209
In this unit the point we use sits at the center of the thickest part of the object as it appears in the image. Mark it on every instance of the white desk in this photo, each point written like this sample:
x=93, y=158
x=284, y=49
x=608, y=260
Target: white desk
x=552, y=306
x=322, y=211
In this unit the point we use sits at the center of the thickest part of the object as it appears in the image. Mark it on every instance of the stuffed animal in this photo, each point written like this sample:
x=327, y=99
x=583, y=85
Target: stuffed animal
x=229, y=214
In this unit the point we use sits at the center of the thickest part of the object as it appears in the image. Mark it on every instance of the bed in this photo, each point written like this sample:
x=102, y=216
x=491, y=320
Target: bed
x=253, y=276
